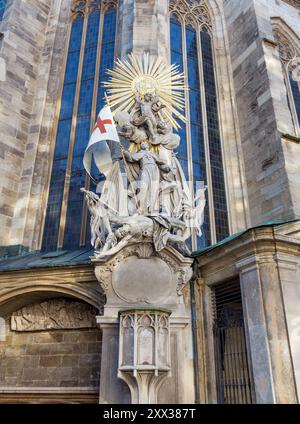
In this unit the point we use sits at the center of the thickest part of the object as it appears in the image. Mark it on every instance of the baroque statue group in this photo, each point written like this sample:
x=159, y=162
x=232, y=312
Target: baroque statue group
x=145, y=195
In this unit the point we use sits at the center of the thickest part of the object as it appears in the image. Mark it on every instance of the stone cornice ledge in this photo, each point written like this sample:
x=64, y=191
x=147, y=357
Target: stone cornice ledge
x=254, y=247
x=48, y=390
x=76, y=273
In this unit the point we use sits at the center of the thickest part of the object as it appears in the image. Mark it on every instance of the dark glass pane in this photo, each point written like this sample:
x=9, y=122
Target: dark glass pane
x=219, y=192
x=198, y=154
x=83, y=124
x=177, y=59
x=75, y=205
x=88, y=70
x=176, y=39
x=76, y=35
x=67, y=101
x=296, y=95
x=72, y=67
x=287, y=96
x=2, y=8
x=182, y=148
x=107, y=52
x=62, y=139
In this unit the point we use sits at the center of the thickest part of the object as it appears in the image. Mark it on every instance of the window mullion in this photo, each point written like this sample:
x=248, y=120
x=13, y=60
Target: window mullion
x=62, y=223
x=221, y=132
x=116, y=34
x=188, y=125
x=53, y=137
x=206, y=142
x=93, y=118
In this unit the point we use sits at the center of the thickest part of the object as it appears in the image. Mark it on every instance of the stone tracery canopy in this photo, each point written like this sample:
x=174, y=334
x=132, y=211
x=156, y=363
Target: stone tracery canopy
x=287, y=50
x=86, y=6
x=193, y=13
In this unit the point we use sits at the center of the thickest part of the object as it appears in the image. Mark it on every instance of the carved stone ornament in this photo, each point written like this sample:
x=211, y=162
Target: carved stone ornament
x=157, y=274
x=191, y=12
x=86, y=6
x=54, y=314
x=144, y=359
x=287, y=51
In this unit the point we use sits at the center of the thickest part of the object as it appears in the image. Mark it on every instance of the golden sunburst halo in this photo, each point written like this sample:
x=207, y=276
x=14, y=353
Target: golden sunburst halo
x=146, y=74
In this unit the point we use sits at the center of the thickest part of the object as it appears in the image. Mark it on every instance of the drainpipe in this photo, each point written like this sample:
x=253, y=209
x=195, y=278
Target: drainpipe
x=194, y=329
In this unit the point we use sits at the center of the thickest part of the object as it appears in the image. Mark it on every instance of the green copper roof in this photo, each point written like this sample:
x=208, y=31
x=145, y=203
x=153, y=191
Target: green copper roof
x=63, y=258
x=47, y=260
x=236, y=235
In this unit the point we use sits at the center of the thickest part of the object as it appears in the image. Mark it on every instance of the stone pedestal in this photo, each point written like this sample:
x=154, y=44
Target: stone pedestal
x=138, y=279
x=144, y=352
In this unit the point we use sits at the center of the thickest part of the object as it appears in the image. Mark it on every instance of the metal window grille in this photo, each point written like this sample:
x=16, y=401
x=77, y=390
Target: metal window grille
x=232, y=372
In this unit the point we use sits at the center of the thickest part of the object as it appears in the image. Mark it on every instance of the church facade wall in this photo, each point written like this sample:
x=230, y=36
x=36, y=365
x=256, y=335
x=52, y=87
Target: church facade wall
x=260, y=149
x=54, y=359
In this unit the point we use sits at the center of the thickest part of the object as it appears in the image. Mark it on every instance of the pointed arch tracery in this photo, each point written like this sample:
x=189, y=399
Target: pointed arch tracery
x=289, y=52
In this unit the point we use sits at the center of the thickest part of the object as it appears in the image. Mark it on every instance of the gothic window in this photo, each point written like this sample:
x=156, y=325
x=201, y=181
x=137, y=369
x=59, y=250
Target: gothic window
x=2, y=8
x=91, y=43
x=200, y=151
x=290, y=59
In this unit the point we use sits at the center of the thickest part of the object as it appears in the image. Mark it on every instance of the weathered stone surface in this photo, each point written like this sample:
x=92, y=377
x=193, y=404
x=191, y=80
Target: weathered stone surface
x=266, y=262
x=153, y=290
x=50, y=358
x=53, y=314
x=140, y=265
x=32, y=48
x=262, y=107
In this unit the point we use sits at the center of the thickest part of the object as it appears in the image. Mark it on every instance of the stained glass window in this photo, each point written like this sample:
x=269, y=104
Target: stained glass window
x=2, y=8
x=75, y=204
x=59, y=165
x=198, y=55
x=177, y=58
x=107, y=51
x=216, y=161
x=76, y=117
x=196, y=123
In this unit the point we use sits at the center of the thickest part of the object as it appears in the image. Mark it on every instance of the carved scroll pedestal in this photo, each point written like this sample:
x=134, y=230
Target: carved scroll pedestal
x=150, y=360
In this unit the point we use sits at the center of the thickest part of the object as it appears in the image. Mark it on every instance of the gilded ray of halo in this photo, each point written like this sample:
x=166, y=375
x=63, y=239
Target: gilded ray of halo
x=146, y=74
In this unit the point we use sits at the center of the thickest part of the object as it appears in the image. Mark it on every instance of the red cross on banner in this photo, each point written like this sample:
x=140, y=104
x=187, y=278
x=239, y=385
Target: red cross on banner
x=101, y=124
x=104, y=130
